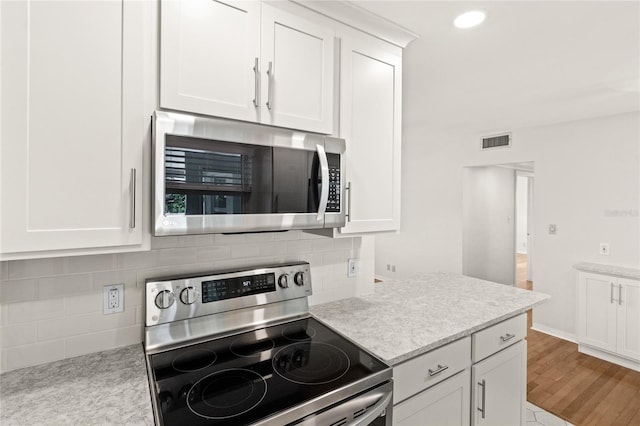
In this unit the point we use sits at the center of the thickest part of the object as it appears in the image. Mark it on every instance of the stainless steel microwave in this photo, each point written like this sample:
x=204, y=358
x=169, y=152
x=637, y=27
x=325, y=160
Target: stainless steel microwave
x=220, y=176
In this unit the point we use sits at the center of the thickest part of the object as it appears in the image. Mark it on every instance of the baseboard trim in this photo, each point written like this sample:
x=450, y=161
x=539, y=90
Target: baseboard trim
x=625, y=362
x=570, y=337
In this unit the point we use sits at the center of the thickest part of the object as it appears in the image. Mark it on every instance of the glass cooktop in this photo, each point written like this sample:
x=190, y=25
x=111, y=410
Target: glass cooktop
x=241, y=379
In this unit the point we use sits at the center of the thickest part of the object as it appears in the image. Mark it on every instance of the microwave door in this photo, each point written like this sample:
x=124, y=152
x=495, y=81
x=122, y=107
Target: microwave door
x=293, y=177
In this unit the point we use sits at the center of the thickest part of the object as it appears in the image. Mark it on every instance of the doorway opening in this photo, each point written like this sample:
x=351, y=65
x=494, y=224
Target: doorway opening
x=524, y=229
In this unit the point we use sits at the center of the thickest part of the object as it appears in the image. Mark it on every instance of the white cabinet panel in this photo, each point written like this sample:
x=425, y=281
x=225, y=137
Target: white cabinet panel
x=441, y=405
x=208, y=53
x=71, y=79
x=499, y=387
x=597, y=295
x=628, y=335
x=370, y=121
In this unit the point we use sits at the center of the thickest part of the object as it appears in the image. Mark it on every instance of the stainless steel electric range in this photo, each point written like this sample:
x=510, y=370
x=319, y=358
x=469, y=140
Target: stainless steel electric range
x=239, y=347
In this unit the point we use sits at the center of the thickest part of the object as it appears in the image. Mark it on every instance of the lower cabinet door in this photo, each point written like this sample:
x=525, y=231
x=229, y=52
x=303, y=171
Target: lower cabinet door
x=446, y=403
x=499, y=387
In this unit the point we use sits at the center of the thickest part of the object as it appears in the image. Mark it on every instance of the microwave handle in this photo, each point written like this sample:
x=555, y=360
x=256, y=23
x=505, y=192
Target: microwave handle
x=324, y=183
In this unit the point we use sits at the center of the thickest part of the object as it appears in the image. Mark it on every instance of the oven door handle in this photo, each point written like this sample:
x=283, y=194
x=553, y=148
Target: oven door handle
x=376, y=411
x=324, y=182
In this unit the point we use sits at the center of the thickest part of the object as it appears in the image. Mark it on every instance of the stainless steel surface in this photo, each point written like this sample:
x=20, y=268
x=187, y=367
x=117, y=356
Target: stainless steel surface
x=256, y=83
x=180, y=311
x=619, y=294
x=167, y=123
x=438, y=370
x=483, y=400
x=611, y=293
x=132, y=219
x=348, y=190
x=324, y=171
x=507, y=336
x=269, y=83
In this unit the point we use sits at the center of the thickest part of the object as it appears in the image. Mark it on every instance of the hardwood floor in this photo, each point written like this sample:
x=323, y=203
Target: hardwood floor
x=579, y=388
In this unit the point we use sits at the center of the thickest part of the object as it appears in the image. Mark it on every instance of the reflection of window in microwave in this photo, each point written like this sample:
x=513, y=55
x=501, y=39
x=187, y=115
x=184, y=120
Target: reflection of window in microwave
x=196, y=166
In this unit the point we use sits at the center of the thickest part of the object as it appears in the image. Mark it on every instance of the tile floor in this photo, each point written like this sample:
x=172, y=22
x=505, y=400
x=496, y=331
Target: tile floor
x=536, y=416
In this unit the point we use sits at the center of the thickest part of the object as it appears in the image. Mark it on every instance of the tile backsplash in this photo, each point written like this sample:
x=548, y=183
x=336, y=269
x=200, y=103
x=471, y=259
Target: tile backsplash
x=51, y=308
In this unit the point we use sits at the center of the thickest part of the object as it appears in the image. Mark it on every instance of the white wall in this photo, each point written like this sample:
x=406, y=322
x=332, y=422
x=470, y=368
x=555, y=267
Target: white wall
x=488, y=228
x=522, y=194
x=587, y=183
x=51, y=309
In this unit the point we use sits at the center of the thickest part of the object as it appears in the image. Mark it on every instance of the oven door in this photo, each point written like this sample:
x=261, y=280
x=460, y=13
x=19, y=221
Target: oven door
x=216, y=176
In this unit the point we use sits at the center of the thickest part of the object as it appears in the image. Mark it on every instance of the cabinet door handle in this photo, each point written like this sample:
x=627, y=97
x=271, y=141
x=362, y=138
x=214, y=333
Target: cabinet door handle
x=269, y=82
x=483, y=385
x=507, y=336
x=611, y=293
x=348, y=191
x=256, y=84
x=132, y=191
x=438, y=370
x=619, y=294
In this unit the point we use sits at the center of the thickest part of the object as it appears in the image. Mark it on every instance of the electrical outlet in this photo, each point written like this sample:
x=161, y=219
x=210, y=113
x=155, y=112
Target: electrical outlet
x=352, y=268
x=604, y=249
x=553, y=229
x=113, y=296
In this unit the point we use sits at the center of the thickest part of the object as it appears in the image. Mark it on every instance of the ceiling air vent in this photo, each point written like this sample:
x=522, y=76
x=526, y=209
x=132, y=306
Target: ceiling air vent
x=498, y=141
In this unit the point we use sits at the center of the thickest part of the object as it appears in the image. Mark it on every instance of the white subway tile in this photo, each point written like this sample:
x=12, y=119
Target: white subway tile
x=230, y=238
x=273, y=249
x=192, y=269
x=18, y=290
x=163, y=242
x=331, y=295
x=299, y=246
x=245, y=250
x=150, y=273
x=83, y=304
x=33, y=311
x=57, y=328
x=138, y=259
x=139, y=315
x=110, y=339
x=335, y=257
x=101, y=279
x=51, y=287
x=3, y=360
x=287, y=235
x=16, y=335
x=4, y=271
x=100, y=262
x=35, y=267
x=214, y=253
x=259, y=237
x=325, y=244
x=195, y=240
x=178, y=256
x=239, y=263
x=133, y=296
x=3, y=314
x=345, y=243
x=108, y=322
x=34, y=354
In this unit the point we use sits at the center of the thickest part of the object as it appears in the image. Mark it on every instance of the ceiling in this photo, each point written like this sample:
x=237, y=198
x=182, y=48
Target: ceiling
x=530, y=63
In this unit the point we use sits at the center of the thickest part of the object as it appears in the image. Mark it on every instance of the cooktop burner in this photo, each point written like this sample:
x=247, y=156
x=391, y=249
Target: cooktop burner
x=243, y=378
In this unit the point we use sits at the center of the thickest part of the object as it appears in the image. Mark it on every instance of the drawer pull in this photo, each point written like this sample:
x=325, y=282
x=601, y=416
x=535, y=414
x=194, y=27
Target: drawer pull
x=438, y=370
x=506, y=337
x=483, y=385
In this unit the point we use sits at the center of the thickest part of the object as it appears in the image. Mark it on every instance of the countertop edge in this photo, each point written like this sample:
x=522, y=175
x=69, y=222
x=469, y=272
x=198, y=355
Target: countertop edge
x=618, y=271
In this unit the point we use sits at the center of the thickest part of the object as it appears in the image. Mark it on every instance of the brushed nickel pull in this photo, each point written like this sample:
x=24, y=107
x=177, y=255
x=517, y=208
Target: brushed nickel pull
x=132, y=190
x=256, y=83
x=507, y=336
x=438, y=370
x=611, y=293
x=269, y=82
x=619, y=294
x=483, y=386
x=348, y=213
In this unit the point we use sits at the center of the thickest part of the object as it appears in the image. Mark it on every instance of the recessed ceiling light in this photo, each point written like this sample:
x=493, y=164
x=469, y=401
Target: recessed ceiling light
x=469, y=19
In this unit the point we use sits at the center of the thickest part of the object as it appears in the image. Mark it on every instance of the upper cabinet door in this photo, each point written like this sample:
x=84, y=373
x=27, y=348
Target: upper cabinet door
x=370, y=121
x=297, y=72
x=210, y=57
x=73, y=125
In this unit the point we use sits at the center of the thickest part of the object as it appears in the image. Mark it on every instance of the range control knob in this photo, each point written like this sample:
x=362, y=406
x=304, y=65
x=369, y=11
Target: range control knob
x=188, y=295
x=283, y=281
x=165, y=299
x=298, y=278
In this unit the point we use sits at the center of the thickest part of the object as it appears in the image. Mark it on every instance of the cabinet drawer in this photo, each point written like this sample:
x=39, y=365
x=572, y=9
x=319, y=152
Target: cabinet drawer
x=426, y=370
x=499, y=336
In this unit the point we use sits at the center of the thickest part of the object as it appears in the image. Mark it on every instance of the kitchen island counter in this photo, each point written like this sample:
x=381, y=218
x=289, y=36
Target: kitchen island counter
x=108, y=387
x=406, y=318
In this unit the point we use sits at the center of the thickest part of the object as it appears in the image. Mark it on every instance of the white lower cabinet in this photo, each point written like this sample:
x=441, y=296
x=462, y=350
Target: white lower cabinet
x=499, y=387
x=446, y=403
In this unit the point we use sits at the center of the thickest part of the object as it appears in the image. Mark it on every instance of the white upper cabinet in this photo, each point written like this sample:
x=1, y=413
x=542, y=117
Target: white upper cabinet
x=248, y=61
x=370, y=121
x=209, y=58
x=72, y=125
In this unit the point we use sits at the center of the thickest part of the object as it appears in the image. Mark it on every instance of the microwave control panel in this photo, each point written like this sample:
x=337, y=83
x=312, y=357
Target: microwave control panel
x=333, y=203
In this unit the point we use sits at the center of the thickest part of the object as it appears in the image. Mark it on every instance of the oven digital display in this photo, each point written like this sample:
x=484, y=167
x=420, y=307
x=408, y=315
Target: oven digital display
x=230, y=288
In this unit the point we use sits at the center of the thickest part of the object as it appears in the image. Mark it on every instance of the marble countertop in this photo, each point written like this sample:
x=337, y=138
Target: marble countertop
x=608, y=270
x=108, y=387
x=405, y=318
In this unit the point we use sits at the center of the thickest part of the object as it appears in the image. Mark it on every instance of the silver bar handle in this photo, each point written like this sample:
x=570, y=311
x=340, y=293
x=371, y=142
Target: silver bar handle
x=256, y=84
x=484, y=388
x=376, y=411
x=348, y=191
x=132, y=191
x=507, y=336
x=438, y=370
x=619, y=294
x=324, y=184
x=611, y=293
x=269, y=82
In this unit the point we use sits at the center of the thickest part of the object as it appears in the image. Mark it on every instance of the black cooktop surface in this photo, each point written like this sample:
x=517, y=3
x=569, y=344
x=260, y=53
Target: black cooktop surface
x=241, y=379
